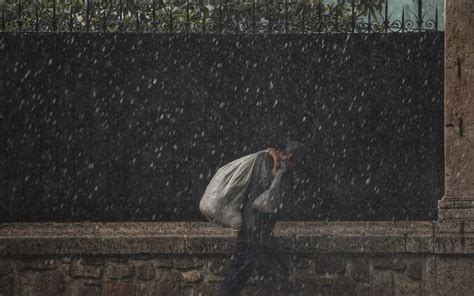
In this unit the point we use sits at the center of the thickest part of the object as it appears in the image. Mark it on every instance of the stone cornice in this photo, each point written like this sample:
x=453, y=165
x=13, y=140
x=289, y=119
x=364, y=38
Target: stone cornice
x=204, y=238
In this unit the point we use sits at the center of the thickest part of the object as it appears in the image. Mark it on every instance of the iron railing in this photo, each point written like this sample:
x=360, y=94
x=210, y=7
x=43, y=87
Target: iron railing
x=223, y=16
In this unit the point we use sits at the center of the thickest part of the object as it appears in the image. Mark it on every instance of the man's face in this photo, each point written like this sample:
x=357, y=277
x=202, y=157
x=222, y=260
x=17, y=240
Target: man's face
x=290, y=160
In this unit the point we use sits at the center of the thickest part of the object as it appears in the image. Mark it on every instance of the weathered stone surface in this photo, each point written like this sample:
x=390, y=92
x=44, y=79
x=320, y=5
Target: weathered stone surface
x=26, y=282
x=430, y=281
x=301, y=273
x=382, y=283
x=146, y=271
x=88, y=238
x=186, y=263
x=408, y=287
x=146, y=288
x=455, y=275
x=97, y=261
x=330, y=264
x=343, y=286
x=87, y=271
x=120, y=289
x=251, y=290
x=38, y=264
x=414, y=270
x=362, y=290
x=169, y=282
x=6, y=286
x=455, y=236
x=6, y=269
x=164, y=263
x=458, y=202
x=395, y=264
x=326, y=280
x=47, y=284
x=193, y=276
x=302, y=262
x=204, y=289
x=88, y=290
x=214, y=278
x=360, y=269
x=117, y=271
x=218, y=266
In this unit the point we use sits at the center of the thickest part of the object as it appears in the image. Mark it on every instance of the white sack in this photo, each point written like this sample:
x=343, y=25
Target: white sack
x=225, y=195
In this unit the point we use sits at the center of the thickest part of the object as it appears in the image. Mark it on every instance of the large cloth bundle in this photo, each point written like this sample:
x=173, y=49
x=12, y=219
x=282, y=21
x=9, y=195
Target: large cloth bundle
x=225, y=195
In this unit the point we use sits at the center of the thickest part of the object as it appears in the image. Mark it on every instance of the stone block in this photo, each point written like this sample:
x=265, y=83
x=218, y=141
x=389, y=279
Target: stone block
x=395, y=264
x=326, y=280
x=26, y=282
x=6, y=286
x=86, y=271
x=408, y=287
x=205, y=289
x=93, y=261
x=6, y=269
x=218, y=266
x=119, y=271
x=49, y=284
x=214, y=278
x=382, y=283
x=120, y=289
x=362, y=290
x=330, y=264
x=146, y=271
x=146, y=289
x=414, y=270
x=301, y=273
x=302, y=262
x=168, y=263
x=187, y=263
x=88, y=290
x=455, y=275
x=193, y=276
x=38, y=264
x=430, y=281
x=168, y=282
x=360, y=269
x=343, y=286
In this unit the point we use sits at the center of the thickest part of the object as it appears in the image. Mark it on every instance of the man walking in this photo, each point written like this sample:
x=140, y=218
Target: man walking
x=256, y=248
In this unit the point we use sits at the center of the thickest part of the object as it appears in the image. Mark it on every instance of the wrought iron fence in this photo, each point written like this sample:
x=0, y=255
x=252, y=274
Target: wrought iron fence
x=221, y=16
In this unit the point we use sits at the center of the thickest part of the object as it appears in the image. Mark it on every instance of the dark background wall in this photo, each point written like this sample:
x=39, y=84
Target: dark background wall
x=133, y=126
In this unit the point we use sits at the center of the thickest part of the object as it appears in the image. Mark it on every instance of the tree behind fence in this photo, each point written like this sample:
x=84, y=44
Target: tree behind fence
x=271, y=16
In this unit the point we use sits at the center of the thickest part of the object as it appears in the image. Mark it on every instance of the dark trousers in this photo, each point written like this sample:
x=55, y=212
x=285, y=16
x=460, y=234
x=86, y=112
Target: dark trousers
x=266, y=261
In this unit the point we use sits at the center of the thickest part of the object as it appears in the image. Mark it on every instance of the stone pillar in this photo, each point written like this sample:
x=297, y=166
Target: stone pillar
x=457, y=205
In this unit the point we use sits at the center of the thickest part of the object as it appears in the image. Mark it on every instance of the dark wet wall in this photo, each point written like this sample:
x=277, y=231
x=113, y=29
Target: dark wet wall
x=133, y=126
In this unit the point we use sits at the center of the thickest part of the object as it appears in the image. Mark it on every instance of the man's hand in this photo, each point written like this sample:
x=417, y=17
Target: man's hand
x=283, y=166
x=276, y=160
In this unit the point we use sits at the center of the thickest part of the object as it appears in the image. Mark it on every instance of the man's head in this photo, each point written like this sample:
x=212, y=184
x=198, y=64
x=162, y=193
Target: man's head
x=292, y=153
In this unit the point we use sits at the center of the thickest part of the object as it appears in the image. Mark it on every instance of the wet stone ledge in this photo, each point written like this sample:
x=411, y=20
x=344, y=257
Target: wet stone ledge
x=204, y=238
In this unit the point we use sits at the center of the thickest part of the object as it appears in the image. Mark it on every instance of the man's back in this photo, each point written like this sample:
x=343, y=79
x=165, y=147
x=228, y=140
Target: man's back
x=257, y=226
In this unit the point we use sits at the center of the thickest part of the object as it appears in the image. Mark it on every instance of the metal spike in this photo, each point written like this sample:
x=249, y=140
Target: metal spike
x=403, y=20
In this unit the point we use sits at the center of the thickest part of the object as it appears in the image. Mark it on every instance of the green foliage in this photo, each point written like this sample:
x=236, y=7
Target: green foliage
x=184, y=15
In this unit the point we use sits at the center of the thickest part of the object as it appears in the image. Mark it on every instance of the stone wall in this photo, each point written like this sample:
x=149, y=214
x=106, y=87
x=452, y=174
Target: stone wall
x=336, y=258
x=310, y=274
